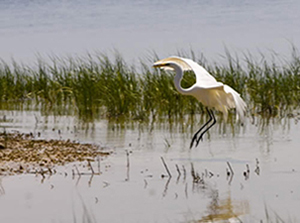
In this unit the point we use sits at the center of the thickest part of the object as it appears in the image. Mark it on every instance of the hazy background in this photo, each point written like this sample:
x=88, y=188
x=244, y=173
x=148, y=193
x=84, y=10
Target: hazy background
x=135, y=28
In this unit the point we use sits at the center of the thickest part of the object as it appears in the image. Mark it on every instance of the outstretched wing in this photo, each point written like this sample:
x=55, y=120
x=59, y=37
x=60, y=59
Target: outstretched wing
x=203, y=78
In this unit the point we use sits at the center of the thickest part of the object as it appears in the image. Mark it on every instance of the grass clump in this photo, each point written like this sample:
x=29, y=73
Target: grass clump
x=97, y=86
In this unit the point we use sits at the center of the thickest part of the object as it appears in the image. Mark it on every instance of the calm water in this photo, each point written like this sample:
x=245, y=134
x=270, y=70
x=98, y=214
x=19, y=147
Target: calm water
x=138, y=193
x=136, y=28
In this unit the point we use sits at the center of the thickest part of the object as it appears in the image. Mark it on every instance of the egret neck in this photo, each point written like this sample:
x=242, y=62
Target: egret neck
x=177, y=81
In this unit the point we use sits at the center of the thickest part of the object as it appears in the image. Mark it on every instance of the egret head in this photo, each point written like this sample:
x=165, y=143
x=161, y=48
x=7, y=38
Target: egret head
x=171, y=62
x=165, y=65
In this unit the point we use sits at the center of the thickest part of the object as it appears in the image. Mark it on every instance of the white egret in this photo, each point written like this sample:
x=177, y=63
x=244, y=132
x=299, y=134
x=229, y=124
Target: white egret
x=207, y=90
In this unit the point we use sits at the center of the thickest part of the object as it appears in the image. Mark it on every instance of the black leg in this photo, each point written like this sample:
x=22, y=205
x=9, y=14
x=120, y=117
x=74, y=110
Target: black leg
x=214, y=122
x=195, y=135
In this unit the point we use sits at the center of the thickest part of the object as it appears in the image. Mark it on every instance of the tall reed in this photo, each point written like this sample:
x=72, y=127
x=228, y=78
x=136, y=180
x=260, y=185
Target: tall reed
x=96, y=86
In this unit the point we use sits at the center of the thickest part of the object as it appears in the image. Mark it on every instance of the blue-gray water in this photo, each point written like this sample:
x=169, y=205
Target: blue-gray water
x=138, y=193
x=136, y=28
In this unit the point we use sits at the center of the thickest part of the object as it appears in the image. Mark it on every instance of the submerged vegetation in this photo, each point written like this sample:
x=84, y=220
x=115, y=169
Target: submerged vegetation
x=23, y=153
x=97, y=86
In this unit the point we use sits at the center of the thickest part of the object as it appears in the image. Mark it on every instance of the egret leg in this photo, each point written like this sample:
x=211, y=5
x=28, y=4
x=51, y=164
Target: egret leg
x=211, y=114
x=195, y=135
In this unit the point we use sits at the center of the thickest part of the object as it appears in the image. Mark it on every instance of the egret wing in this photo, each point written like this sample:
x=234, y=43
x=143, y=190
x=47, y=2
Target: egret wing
x=203, y=78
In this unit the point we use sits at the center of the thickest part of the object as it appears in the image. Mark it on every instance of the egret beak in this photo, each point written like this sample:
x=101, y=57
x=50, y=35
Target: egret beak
x=162, y=65
x=158, y=65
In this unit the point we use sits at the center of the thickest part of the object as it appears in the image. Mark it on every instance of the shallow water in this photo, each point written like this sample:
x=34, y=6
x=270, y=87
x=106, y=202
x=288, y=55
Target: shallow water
x=138, y=193
x=136, y=28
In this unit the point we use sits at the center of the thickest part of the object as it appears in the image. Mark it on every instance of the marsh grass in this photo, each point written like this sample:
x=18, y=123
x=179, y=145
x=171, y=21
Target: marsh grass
x=96, y=86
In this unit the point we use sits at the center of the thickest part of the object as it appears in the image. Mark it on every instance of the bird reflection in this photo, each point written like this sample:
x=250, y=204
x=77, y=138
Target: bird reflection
x=224, y=210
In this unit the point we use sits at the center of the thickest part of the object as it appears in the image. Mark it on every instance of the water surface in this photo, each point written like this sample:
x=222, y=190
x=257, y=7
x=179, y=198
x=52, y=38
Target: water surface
x=138, y=193
x=136, y=28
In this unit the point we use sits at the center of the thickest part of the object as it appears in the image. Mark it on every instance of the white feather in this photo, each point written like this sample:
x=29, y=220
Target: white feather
x=207, y=89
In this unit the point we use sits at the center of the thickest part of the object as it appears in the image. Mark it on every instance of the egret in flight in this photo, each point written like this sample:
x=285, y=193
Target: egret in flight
x=207, y=90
